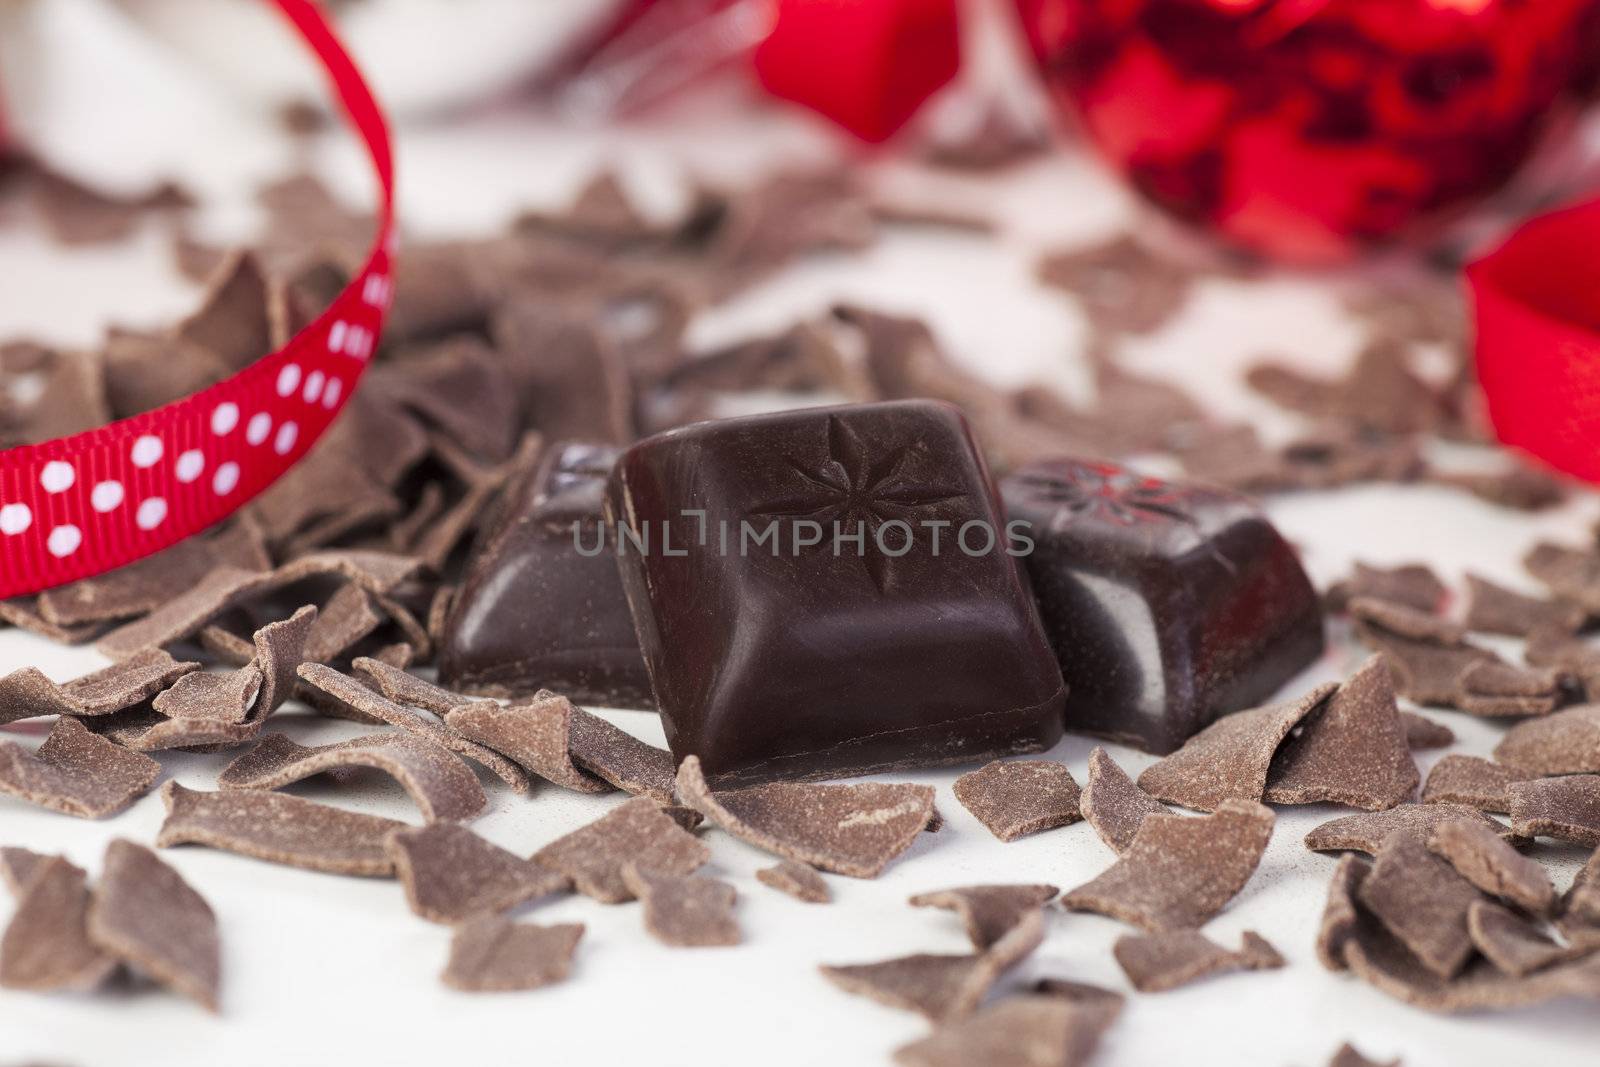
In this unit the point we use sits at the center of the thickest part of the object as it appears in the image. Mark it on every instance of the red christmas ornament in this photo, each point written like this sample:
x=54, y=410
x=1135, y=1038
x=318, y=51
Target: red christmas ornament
x=1311, y=130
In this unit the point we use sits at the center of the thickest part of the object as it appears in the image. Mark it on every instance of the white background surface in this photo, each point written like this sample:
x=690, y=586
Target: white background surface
x=324, y=969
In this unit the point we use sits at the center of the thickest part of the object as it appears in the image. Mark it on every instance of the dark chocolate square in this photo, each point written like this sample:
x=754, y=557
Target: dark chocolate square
x=778, y=659
x=1168, y=604
x=542, y=605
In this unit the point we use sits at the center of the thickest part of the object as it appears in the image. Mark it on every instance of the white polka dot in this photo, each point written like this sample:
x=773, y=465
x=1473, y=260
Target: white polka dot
x=64, y=540
x=288, y=433
x=147, y=451
x=57, y=477
x=152, y=513
x=106, y=496
x=330, y=396
x=260, y=425
x=225, y=418
x=313, y=389
x=337, y=335
x=289, y=379
x=14, y=518
x=189, y=465
x=226, y=478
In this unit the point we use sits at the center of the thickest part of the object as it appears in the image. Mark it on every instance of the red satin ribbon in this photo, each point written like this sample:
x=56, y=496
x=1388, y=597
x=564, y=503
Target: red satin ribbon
x=82, y=505
x=1537, y=305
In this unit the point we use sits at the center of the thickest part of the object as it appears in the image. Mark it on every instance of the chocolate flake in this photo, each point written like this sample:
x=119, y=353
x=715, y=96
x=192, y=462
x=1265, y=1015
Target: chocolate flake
x=1113, y=804
x=451, y=874
x=1022, y=1031
x=491, y=954
x=1413, y=585
x=854, y=830
x=1514, y=945
x=636, y=832
x=1422, y=901
x=17, y=865
x=1564, y=808
x=1017, y=797
x=1494, y=609
x=147, y=916
x=1156, y=963
x=1427, y=654
x=684, y=910
x=1570, y=573
x=621, y=759
x=1567, y=742
x=1497, y=690
x=28, y=694
x=940, y=987
x=443, y=787
x=1366, y=832
x=1422, y=732
x=1231, y=758
x=46, y=948
x=1341, y=916
x=799, y=880
x=536, y=736
x=278, y=828
x=1351, y=752
x=1471, y=780
x=1349, y=1056
x=1179, y=871
x=403, y=687
x=989, y=912
x=76, y=772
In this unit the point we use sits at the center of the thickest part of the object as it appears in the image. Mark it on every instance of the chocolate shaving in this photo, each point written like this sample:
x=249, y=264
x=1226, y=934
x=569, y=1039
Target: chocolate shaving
x=536, y=736
x=1564, y=808
x=442, y=786
x=1422, y=732
x=349, y=615
x=1378, y=393
x=1367, y=831
x=940, y=987
x=1156, y=963
x=1515, y=946
x=1113, y=804
x=1567, y=742
x=1123, y=287
x=278, y=828
x=1426, y=653
x=17, y=865
x=204, y=695
x=1520, y=487
x=1422, y=901
x=635, y=832
x=46, y=947
x=27, y=693
x=796, y=879
x=1572, y=574
x=1569, y=654
x=23, y=613
x=1017, y=797
x=1021, y=1031
x=147, y=730
x=451, y=874
x=1349, y=1056
x=1498, y=690
x=1353, y=751
x=147, y=916
x=684, y=910
x=1470, y=780
x=403, y=687
x=1341, y=916
x=232, y=322
x=1231, y=758
x=854, y=830
x=616, y=756
x=76, y=772
x=1179, y=871
x=491, y=954
x=1412, y=584
x=988, y=912
x=1494, y=609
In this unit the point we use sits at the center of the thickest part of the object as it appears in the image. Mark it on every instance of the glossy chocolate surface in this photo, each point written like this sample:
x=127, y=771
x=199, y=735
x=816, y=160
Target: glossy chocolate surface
x=535, y=612
x=779, y=660
x=1168, y=604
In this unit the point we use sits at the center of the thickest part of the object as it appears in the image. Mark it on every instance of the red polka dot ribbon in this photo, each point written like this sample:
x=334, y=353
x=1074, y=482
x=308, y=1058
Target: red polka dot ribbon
x=82, y=505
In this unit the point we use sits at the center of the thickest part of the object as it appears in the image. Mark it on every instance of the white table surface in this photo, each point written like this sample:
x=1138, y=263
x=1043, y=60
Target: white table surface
x=324, y=969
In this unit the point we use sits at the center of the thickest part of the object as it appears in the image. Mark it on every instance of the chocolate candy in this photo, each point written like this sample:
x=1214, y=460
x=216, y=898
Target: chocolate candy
x=542, y=607
x=1168, y=604
x=828, y=592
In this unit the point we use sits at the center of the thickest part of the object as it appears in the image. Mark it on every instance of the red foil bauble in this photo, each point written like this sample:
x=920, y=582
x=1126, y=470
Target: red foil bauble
x=1311, y=130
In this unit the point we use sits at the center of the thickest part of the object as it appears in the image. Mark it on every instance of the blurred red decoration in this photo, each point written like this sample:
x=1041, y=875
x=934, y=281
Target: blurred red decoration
x=1311, y=130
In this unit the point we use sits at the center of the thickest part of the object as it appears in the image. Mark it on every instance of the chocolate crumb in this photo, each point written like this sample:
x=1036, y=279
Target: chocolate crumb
x=1567, y=742
x=491, y=954
x=1022, y=1031
x=1471, y=780
x=46, y=947
x=1366, y=832
x=1113, y=804
x=451, y=874
x=1422, y=901
x=989, y=912
x=635, y=832
x=799, y=880
x=1564, y=808
x=1353, y=751
x=278, y=828
x=684, y=910
x=1156, y=963
x=1017, y=797
x=76, y=772
x=147, y=916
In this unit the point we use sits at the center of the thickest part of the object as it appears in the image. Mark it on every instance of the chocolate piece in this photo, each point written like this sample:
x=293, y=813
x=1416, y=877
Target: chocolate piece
x=1520, y=487
x=1022, y=1031
x=232, y=323
x=1567, y=742
x=799, y=880
x=1353, y=751
x=1156, y=963
x=28, y=694
x=1422, y=732
x=636, y=832
x=1498, y=690
x=989, y=912
x=451, y=874
x=1179, y=871
x=1513, y=944
x=535, y=736
x=147, y=916
x=278, y=828
x=1572, y=655
x=46, y=947
x=1571, y=573
x=1231, y=758
x=618, y=757
x=1495, y=609
x=1341, y=917
x=1470, y=780
x=847, y=829
x=1082, y=993
x=940, y=987
x=1123, y=286
x=684, y=910
x=76, y=772
x=1113, y=804
x=1367, y=831
x=349, y=615
x=1422, y=901
x=1017, y=797
x=146, y=730
x=443, y=787
x=1349, y=1056
x=540, y=608
x=17, y=865
x=403, y=687
x=1412, y=584
x=1111, y=550
x=754, y=691
x=1564, y=808
x=1426, y=653
x=205, y=695
x=490, y=954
